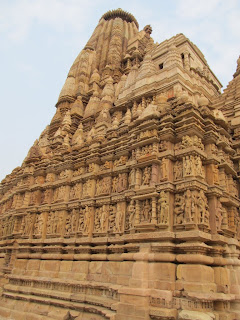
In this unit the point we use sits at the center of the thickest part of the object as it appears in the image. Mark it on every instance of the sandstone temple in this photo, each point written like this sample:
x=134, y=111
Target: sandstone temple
x=127, y=206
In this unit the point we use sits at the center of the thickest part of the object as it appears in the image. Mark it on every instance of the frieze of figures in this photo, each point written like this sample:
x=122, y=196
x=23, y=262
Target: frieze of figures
x=38, y=225
x=106, y=166
x=54, y=223
x=192, y=166
x=116, y=217
x=101, y=219
x=147, y=134
x=120, y=182
x=103, y=186
x=46, y=196
x=88, y=188
x=50, y=177
x=190, y=141
x=121, y=161
x=144, y=151
x=27, y=224
x=65, y=174
x=191, y=207
x=59, y=194
x=163, y=146
x=71, y=223
x=75, y=191
x=79, y=171
x=7, y=226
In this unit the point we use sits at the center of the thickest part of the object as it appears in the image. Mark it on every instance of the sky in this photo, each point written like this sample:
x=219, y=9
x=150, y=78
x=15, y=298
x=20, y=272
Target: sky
x=41, y=38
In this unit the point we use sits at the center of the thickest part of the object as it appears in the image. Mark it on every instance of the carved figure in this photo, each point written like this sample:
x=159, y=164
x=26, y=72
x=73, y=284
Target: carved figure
x=146, y=176
x=179, y=209
x=163, y=208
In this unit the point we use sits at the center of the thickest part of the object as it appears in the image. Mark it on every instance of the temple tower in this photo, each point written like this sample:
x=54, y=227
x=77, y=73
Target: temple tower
x=127, y=206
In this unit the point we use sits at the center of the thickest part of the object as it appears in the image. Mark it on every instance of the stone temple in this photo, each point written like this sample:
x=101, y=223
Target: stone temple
x=127, y=206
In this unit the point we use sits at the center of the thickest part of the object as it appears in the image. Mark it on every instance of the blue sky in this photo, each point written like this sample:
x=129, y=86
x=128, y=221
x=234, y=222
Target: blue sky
x=41, y=38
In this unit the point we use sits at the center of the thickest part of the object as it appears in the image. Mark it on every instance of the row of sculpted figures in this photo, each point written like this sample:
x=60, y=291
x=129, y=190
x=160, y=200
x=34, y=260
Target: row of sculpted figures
x=189, y=209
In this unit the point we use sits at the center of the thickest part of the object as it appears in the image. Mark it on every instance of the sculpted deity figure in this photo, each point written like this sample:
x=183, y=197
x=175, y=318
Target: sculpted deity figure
x=179, y=209
x=131, y=178
x=122, y=182
x=97, y=219
x=112, y=217
x=188, y=206
x=81, y=220
x=119, y=220
x=87, y=219
x=198, y=166
x=27, y=223
x=163, y=208
x=74, y=220
x=203, y=214
x=146, y=176
x=38, y=226
x=68, y=228
x=164, y=169
x=186, y=142
x=219, y=216
x=178, y=170
x=131, y=213
x=103, y=219
x=114, y=184
x=106, y=185
x=146, y=211
x=187, y=166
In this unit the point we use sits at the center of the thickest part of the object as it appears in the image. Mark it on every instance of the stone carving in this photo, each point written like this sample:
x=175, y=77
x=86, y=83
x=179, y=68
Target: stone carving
x=163, y=208
x=147, y=134
x=27, y=224
x=219, y=216
x=193, y=141
x=178, y=170
x=88, y=188
x=71, y=222
x=100, y=220
x=121, y=161
x=130, y=217
x=38, y=225
x=54, y=223
x=164, y=169
x=146, y=211
x=192, y=208
x=146, y=176
x=75, y=191
x=192, y=165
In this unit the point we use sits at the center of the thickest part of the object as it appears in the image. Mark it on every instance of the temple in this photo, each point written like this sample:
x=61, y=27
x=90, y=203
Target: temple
x=127, y=206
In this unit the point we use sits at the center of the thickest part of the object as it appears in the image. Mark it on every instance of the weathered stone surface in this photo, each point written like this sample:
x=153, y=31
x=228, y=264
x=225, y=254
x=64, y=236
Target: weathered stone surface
x=127, y=206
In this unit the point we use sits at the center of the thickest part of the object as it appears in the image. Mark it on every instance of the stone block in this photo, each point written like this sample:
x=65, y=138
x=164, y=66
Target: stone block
x=162, y=271
x=195, y=273
x=195, y=315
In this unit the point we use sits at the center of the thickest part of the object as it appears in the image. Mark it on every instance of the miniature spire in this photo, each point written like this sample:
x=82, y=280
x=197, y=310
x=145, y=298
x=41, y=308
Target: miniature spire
x=238, y=68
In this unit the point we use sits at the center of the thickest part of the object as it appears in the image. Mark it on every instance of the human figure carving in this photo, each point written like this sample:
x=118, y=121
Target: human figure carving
x=163, y=208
